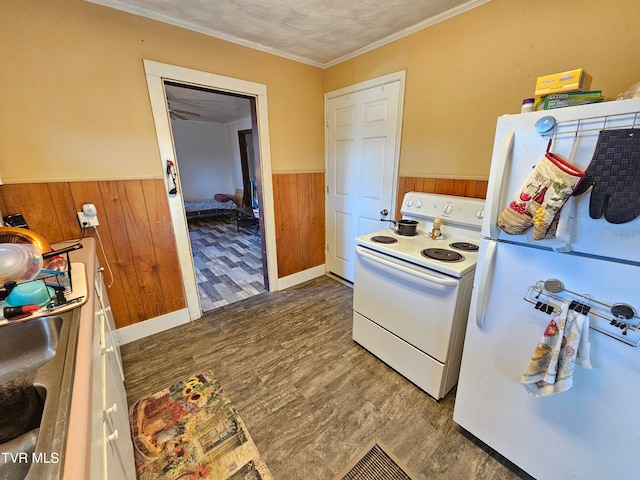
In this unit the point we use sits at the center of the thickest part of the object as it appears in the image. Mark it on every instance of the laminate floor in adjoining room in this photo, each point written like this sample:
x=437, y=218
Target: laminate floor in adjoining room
x=311, y=397
x=228, y=262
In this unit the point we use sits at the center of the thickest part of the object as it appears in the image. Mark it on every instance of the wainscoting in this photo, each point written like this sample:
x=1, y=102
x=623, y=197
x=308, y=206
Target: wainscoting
x=300, y=223
x=138, y=239
x=300, y=216
x=443, y=186
x=135, y=230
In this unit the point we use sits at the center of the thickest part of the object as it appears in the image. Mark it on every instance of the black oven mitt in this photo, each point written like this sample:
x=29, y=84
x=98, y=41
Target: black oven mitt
x=614, y=173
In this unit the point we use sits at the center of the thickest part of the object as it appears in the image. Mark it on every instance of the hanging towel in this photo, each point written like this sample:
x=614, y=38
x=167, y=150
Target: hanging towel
x=564, y=343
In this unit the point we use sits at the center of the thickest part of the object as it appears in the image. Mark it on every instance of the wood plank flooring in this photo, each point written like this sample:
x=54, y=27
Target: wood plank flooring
x=310, y=396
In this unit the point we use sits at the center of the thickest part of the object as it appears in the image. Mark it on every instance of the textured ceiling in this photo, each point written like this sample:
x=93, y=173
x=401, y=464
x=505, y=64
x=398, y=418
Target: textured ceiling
x=318, y=32
x=186, y=103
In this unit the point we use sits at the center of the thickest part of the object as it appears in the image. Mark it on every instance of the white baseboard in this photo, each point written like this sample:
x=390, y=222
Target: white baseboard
x=159, y=324
x=147, y=328
x=301, y=277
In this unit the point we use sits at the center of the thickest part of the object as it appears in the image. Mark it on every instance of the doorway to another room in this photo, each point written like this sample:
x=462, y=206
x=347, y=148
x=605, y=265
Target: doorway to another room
x=213, y=140
x=156, y=74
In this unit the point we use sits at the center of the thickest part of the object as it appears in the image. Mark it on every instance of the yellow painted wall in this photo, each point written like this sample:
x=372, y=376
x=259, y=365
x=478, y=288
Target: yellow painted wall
x=74, y=102
x=466, y=71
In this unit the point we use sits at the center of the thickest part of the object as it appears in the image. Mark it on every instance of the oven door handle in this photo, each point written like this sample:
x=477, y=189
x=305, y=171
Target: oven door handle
x=422, y=275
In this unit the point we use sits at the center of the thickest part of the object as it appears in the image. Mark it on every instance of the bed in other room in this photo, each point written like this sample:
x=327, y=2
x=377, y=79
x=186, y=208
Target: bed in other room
x=220, y=205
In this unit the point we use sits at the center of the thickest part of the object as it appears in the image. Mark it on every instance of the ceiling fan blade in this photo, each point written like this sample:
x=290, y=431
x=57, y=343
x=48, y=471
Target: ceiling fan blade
x=177, y=115
x=186, y=112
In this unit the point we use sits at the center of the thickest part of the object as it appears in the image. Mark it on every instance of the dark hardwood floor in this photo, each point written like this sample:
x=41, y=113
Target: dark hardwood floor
x=311, y=397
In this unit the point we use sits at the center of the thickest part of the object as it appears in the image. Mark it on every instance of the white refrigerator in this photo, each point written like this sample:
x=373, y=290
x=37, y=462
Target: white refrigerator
x=591, y=430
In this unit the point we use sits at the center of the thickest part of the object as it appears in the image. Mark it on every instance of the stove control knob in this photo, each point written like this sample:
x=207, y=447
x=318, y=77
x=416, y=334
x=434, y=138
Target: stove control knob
x=410, y=202
x=447, y=209
x=418, y=204
x=480, y=213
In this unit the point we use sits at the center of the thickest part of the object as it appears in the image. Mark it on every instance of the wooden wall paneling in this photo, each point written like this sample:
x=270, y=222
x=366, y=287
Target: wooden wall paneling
x=136, y=235
x=480, y=189
x=120, y=270
x=445, y=186
x=124, y=293
x=418, y=185
x=141, y=244
x=286, y=220
x=442, y=186
x=305, y=229
x=405, y=184
x=3, y=205
x=399, y=194
x=34, y=202
x=428, y=185
x=310, y=187
x=164, y=244
x=317, y=219
x=67, y=207
x=92, y=192
x=65, y=210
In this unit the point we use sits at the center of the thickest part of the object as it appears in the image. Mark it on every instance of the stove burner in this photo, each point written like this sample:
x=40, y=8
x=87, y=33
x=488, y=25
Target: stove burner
x=406, y=234
x=384, y=239
x=442, y=254
x=464, y=246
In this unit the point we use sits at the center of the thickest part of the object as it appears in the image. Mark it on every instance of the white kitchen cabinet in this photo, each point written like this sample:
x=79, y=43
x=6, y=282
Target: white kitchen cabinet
x=111, y=449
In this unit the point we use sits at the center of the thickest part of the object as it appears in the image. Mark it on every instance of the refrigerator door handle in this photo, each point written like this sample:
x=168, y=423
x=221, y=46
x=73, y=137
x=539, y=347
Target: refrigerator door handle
x=496, y=191
x=484, y=282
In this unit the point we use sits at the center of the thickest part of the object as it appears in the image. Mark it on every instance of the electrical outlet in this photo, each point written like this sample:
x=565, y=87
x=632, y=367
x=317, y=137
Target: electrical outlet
x=88, y=220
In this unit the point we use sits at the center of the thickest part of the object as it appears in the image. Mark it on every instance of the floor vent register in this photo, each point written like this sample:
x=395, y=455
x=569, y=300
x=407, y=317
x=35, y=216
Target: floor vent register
x=373, y=462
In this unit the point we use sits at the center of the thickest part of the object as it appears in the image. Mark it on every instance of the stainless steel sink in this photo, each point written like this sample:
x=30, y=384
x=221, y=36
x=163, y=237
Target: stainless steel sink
x=37, y=357
x=27, y=346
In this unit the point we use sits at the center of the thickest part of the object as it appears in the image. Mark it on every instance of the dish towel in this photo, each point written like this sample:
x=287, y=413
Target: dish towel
x=564, y=343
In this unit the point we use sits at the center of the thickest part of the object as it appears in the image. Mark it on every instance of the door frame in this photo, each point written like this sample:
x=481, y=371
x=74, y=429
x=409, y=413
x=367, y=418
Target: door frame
x=156, y=73
x=400, y=76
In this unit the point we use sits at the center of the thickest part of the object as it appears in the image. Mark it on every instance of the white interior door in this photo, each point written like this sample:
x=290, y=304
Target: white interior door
x=362, y=149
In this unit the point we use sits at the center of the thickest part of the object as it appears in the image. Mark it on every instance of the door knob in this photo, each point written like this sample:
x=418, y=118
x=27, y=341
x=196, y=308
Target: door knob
x=384, y=212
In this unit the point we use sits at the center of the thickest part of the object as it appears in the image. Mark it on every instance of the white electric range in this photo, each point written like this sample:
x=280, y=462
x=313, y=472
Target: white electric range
x=412, y=293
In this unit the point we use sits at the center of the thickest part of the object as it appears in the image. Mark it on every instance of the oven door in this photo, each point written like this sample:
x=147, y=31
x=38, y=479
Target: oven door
x=420, y=306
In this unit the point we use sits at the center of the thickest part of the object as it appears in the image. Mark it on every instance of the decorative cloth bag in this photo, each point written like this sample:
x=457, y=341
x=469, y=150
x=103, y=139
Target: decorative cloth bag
x=541, y=197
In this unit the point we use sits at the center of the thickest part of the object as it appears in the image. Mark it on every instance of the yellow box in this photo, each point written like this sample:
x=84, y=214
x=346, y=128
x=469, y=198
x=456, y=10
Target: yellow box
x=571, y=81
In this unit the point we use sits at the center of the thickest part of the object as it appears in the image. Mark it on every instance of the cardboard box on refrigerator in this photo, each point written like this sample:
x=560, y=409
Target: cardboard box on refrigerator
x=571, y=81
x=570, y=99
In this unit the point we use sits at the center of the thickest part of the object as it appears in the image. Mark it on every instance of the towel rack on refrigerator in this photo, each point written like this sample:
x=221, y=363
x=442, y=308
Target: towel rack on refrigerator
x=549, y=127
x=619, y=321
